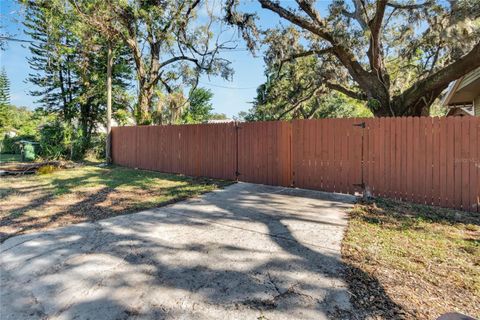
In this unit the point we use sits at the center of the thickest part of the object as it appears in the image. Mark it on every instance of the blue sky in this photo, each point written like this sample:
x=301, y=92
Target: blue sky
x=230, y=97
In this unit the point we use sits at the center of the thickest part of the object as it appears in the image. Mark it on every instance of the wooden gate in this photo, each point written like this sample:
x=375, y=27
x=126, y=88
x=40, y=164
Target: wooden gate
x=264, y=153
x=327, y=154
x=423, y=160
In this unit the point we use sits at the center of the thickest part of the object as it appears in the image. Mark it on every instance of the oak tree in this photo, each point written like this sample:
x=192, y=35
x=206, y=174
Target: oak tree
x=396, y=55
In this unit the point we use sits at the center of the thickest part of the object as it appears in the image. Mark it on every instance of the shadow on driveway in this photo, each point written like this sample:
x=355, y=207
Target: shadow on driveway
x=245, y=252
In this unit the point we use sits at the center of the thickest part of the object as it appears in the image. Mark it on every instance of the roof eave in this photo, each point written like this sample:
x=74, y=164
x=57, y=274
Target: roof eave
x=451, y=91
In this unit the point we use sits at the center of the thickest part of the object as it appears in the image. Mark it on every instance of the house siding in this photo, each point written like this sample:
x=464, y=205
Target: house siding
x=469, y=78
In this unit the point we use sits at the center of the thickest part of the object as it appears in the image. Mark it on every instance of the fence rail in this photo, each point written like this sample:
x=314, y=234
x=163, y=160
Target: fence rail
x=424, y=160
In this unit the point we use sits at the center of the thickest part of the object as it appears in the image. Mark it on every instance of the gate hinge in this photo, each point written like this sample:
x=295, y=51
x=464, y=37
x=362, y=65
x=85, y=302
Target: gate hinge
x=362, y=125
x=237, y=173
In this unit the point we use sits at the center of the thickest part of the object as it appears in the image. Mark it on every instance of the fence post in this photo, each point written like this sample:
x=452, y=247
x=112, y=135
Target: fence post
x=362, y=125
x=237, y=127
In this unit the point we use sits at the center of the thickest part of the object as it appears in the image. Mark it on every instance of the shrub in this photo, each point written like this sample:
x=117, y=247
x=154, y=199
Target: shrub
x=55, y=140
x=46, y=169
x=10, y=145
x=97, y=147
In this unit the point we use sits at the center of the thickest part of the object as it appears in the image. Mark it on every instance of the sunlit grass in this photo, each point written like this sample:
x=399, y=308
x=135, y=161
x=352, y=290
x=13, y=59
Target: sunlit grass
x=34, y=202
x=427, y=258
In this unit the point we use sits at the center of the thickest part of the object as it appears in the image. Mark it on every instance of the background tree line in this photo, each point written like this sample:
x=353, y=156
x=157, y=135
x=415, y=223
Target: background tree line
x=358, y=58
x=160, y=50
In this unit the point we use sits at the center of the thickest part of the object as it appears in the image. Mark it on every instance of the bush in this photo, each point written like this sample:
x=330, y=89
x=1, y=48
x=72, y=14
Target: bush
x=10, y=145
x=97, y=147
x=56, y=140
x=46, y=169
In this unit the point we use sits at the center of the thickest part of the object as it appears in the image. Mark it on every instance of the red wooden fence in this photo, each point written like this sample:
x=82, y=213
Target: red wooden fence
x=327, y=154
x=197, y=150
x=264, y=153
x=424, y=160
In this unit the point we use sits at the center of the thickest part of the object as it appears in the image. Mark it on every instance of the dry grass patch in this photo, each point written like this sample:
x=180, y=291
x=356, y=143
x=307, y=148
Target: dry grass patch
x=86, y=193
x=412, y=261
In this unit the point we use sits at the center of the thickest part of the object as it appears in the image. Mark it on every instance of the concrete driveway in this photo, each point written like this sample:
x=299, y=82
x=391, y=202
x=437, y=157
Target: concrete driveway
x=245, y=252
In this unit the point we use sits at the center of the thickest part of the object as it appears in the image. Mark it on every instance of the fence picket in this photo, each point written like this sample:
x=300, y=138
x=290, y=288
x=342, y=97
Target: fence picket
x=424, y=160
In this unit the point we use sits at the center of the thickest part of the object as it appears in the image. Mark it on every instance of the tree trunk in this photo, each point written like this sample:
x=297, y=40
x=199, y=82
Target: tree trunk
x=405, y=107
x=109, y=105
x=145, y=97
x=396, y=109
x=86, y=124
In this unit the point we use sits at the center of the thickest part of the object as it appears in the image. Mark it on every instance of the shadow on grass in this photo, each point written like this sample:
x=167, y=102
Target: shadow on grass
x=105, y=181
x=404, y=215
x=426, y=255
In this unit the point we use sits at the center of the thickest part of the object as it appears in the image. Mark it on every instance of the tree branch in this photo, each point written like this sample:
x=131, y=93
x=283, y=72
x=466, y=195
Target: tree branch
x=396, y=5
x=179, y=58
x=374, y=50
x=296, y=19
x=297, y=103
x=306, y=54
x=440, y=79
x=345, y=55
x=310, y=11
x=347, y=92
x=357, y=14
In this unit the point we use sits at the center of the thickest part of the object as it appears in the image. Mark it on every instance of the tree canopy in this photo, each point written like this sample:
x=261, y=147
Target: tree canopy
x=397, y=56
x=200, y=107
x=291, y=92
x=68, y=69
x=169, y=44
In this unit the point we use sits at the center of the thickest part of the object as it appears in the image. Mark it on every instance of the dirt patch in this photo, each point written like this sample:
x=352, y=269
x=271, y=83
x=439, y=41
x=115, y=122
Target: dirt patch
x=87, y=193
x=412, y=262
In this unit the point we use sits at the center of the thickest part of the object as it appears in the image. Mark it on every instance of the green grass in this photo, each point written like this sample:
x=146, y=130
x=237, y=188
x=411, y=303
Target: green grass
x=87, y=193
x=427, y=259
x=6, y=157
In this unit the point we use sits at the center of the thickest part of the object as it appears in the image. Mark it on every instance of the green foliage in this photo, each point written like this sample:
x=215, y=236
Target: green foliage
x=122, y=116
x=60, y=140
x=200, y=108
x=4, y=88
x=373, y=104
x=218, y=116
x=9, y=157
x=28, y=152
x=292, y=91
x=97, y=148
x=400, y=55
x=171, y=44
x=12, y=144
x=56, y=140
x=242, y=115
x=438, y=110
x=68, y=59
x=23, y=123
